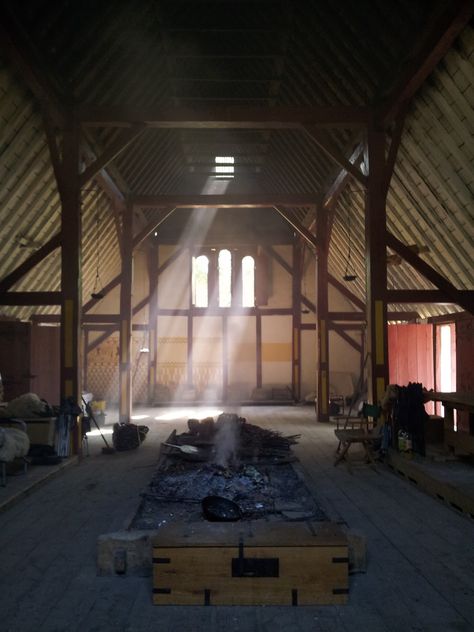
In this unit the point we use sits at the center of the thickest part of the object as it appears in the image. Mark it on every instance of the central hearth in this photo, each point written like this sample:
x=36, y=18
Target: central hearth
x=251, y=468
x=227, y=518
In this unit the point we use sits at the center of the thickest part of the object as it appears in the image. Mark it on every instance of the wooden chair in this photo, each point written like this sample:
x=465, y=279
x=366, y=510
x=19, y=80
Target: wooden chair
x=364, y=430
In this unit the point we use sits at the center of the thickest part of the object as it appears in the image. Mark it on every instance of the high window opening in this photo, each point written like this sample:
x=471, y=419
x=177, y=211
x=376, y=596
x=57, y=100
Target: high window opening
x=248, y=281
x=224, y=167
x=225, y=278
x=200, y=281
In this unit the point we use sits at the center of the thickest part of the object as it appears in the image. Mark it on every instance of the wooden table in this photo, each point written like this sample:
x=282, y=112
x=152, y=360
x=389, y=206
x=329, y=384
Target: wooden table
x=457, y=441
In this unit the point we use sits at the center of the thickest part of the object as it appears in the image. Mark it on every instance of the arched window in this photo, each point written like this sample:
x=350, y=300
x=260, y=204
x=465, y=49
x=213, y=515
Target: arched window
x=200, y=281
x=225, y=278
x=248, y=281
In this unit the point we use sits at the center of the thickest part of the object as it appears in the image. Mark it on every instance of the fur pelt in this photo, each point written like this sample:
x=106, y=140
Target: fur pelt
x=24, y=406
x=13, y=443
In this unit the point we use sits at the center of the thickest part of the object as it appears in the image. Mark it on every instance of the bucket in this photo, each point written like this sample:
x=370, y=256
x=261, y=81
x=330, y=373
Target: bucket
x=98, y=406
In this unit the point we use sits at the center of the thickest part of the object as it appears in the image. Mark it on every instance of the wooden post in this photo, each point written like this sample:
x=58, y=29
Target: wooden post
x=322, y=308
x=296, y=339
x=376, y=265
x=153, y=261
x=125, y=339
x=258, y=324
x=71, y=288
x=225, y=357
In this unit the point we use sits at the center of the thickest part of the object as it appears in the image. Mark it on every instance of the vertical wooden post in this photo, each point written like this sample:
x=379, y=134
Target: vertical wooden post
x=125, y=339
x=85, y=360
x=296, y=338
x=225, y=358
x=322, y=308
x=258, y=324
x=376, y=265
x=153, y=261
x=71, y=287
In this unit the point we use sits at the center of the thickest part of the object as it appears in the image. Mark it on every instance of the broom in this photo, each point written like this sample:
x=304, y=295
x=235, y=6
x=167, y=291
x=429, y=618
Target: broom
x=108, y=448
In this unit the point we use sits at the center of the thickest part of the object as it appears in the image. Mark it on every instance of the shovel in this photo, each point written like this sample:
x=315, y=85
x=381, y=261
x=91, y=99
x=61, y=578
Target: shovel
x=187, y=449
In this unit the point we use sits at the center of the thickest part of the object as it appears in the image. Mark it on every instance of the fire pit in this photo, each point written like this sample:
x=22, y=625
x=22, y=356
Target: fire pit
x=228, y=519
x=245, y=465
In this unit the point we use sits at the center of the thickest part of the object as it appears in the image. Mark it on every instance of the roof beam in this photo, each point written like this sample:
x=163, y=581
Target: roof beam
x=115, y=148
x=323, y=142
x=451, y=293
x=241, y=117
x=431, y=296
x=30, y=298
x=345, y=292
x=341, y=332
x=27, y=265
x=298, y=226
x=264, y=200
x=435, y=43
x=151, y=226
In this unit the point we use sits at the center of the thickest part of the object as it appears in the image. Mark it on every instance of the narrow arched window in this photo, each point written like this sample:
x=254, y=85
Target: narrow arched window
x=225, y=278
x=200, y=281
x=248, y=281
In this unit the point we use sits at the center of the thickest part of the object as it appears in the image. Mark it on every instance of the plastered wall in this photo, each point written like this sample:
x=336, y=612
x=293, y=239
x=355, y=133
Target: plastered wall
x=223, y=357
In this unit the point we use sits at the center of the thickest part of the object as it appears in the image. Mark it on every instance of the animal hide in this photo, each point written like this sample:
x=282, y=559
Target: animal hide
x=13, y=443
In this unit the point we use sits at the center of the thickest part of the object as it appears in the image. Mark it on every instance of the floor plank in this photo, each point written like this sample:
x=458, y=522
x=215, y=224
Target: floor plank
x=421, y=552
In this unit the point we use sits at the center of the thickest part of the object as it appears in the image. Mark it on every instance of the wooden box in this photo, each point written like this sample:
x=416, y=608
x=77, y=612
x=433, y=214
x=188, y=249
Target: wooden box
x=250, y=564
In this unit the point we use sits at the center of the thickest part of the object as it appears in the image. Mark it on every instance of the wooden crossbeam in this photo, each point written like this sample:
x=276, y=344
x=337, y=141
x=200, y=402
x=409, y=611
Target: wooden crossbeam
x=451, y=293
x=124, y=139
x=37, y=256
x=260, y=200
x=30, y=298
x=334, y=154
x=438, y=297
x=237, y=117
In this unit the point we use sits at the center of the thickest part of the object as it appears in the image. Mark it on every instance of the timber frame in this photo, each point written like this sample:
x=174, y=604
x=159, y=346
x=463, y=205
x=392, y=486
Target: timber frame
x=66, y=129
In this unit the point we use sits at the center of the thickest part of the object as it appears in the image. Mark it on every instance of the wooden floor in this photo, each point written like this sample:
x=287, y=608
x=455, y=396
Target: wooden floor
x=420, y=574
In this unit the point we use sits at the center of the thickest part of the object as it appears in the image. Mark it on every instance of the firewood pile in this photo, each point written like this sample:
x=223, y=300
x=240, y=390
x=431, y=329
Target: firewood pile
x=246, y=439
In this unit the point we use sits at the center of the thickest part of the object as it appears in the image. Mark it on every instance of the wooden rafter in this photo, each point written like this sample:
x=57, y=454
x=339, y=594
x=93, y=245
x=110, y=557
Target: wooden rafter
x=344, y=335
x=324, y=143
x=297, y=225
x=451, y=293
x=435, y=42
x=124, y=139
x=27, y=265
x=238, y=117
x=152, y=226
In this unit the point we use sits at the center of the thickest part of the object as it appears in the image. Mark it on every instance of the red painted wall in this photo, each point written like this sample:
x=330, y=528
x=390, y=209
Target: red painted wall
x=410, y=356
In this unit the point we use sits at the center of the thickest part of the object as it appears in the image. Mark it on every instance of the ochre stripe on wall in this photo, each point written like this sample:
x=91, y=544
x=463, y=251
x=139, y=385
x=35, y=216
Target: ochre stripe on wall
x=276, y=352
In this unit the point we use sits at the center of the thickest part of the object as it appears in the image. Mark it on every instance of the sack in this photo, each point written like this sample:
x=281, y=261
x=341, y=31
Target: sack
x=128, y=436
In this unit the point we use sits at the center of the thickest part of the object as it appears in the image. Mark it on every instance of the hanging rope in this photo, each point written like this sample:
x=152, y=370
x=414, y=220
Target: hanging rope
x=98, y=292
x=349, y=276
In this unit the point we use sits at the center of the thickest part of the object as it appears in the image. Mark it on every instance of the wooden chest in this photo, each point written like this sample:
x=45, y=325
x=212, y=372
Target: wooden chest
x=255, y=563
